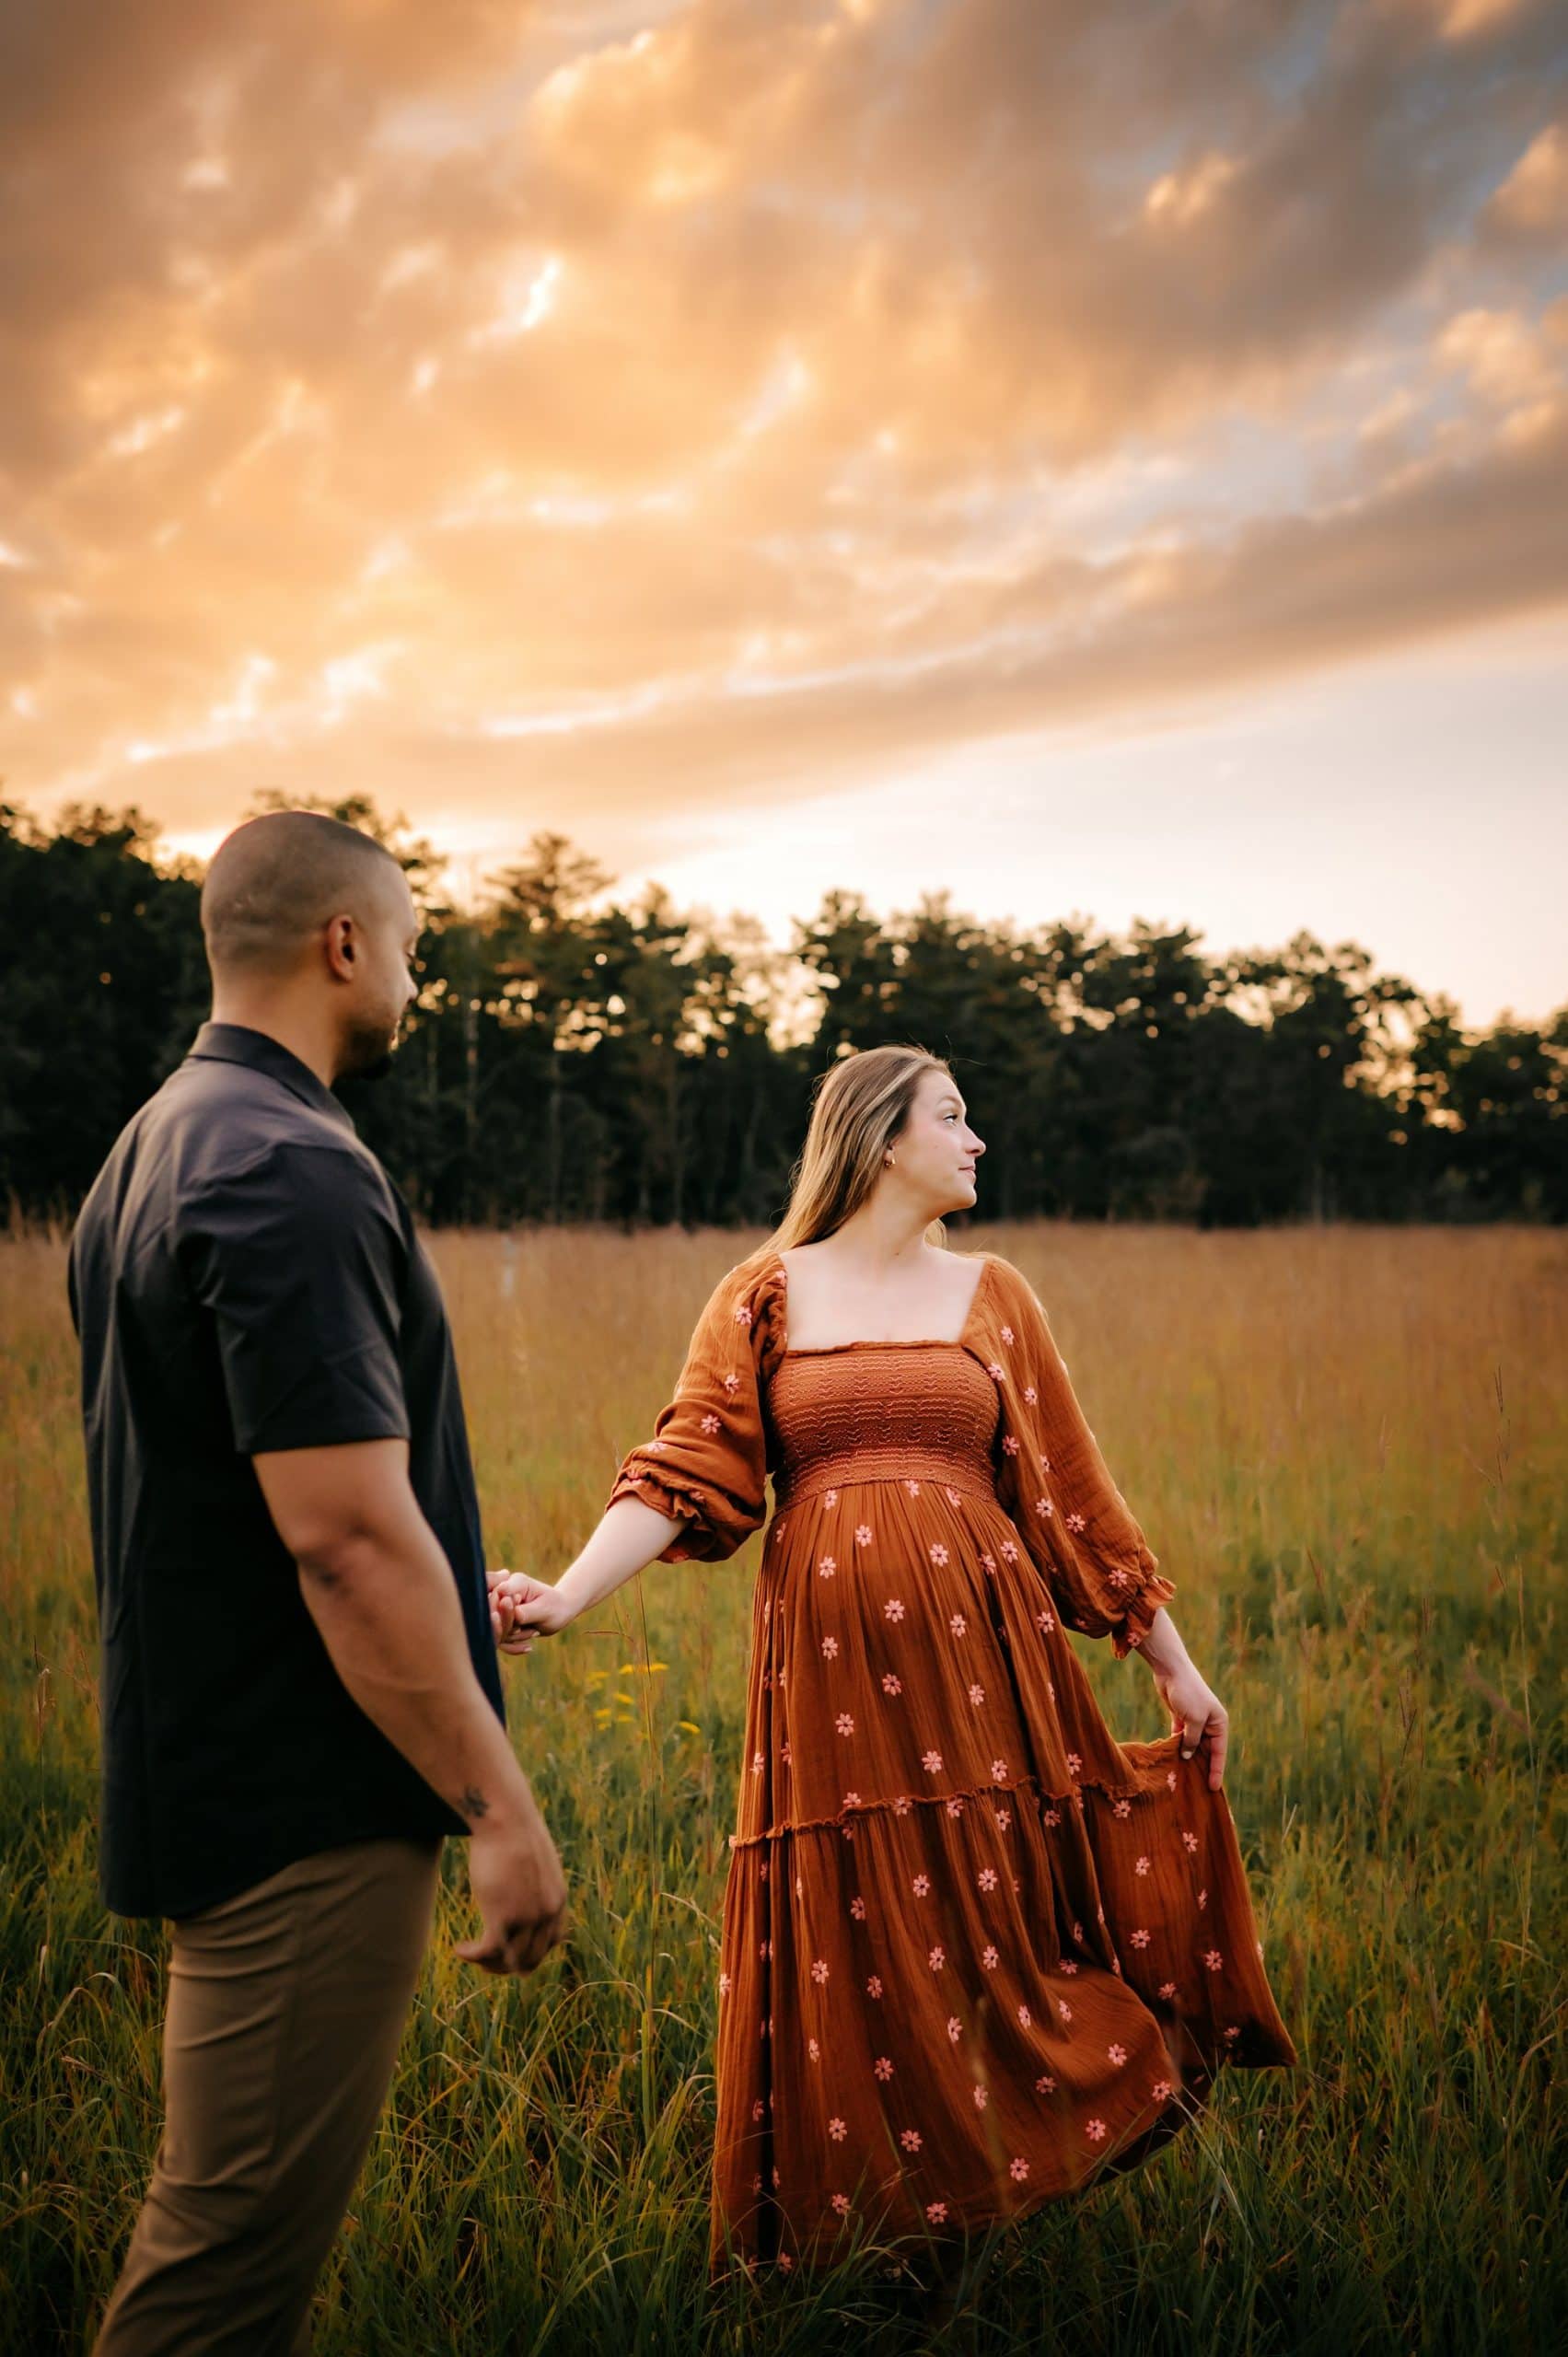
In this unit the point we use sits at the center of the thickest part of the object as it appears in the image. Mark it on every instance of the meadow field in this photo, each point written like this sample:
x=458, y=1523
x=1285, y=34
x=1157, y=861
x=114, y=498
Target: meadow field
x=1348, y=1447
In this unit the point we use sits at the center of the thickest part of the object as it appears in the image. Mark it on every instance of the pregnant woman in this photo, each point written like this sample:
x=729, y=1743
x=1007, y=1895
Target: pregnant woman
x=974, y=1950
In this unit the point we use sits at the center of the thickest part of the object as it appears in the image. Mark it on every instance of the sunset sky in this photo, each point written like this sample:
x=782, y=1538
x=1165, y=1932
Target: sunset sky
x=1108, y=458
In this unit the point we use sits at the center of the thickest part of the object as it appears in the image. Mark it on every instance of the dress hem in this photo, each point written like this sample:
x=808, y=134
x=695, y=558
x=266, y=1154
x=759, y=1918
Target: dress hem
x=727, y=2258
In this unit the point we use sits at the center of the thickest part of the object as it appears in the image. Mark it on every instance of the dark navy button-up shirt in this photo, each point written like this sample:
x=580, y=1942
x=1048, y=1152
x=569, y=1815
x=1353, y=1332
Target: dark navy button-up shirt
x=245, y=1277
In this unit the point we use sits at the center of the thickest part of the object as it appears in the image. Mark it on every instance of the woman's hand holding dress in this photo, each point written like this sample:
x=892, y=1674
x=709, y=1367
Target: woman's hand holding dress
x=1197, y=1715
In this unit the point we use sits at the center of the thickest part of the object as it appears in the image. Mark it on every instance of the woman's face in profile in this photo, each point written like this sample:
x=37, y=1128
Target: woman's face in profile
x=936, y=1152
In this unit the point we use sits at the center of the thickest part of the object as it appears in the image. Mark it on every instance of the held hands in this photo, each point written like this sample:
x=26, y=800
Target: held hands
x=522, y=1608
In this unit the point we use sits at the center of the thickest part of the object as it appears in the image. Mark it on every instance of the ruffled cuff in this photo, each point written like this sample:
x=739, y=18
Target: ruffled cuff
x=1153, y=1590
x=698, y=1543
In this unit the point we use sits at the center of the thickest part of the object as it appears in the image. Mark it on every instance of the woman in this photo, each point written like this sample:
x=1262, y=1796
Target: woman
x=974, y=1950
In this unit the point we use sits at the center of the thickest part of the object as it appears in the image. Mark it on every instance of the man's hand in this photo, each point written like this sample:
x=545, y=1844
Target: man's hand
x=499, y=1584
x=520, y=1892
x=522, y=1608
x=380, y=1591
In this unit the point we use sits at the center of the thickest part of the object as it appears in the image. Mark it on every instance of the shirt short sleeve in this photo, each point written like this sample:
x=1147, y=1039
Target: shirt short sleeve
x=299, y=1259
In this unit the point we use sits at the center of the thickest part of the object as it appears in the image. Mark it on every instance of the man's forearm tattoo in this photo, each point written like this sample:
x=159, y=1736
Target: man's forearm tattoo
x=473, y=1804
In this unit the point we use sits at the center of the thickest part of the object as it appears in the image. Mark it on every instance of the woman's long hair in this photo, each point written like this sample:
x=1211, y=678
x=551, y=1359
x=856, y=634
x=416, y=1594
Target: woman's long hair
x=858, y=1106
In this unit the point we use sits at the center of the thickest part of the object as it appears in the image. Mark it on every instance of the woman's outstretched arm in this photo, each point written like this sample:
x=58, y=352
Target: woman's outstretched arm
x=630, y=1536
x=696, y=1491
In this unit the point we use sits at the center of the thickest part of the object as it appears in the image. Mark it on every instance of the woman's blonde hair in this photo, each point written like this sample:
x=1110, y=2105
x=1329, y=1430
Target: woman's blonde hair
x=858, y=1106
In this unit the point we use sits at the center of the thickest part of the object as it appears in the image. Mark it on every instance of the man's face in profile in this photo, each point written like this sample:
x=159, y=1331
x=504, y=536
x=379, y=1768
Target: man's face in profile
x=384, y=987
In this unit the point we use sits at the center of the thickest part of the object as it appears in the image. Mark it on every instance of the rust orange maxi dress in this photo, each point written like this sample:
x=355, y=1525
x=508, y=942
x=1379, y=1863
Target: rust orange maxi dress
x=957, y=1911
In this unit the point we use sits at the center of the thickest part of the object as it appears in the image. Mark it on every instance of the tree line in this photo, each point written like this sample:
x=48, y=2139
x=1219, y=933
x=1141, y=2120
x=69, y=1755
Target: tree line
x=570, y=1058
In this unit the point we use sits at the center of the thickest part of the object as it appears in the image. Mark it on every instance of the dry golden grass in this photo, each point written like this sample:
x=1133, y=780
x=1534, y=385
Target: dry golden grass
x=1348, y=1448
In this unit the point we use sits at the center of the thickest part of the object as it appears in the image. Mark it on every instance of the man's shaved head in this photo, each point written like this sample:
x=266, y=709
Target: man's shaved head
x=277, y=879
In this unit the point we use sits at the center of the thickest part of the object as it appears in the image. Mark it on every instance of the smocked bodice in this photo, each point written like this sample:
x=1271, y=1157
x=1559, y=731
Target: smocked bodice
x=881, y=1412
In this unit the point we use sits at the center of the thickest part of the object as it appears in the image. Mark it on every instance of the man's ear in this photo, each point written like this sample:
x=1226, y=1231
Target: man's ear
x=342, y=942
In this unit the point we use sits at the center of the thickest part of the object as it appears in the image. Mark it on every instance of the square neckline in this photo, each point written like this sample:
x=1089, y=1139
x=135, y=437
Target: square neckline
x=958, y=1341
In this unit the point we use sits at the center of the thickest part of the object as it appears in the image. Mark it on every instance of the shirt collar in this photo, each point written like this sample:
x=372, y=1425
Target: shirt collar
x=236, y=1043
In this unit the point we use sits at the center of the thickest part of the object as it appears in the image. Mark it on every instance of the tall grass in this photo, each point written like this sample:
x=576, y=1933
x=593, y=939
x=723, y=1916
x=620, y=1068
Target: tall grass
x=1348, y=1448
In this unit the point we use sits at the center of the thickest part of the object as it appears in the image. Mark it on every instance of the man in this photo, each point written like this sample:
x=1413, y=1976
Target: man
x=299, y=1683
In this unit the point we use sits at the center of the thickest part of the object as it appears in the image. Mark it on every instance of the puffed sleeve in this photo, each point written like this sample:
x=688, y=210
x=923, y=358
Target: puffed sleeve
x=1056, y=1486
x=707, y=1460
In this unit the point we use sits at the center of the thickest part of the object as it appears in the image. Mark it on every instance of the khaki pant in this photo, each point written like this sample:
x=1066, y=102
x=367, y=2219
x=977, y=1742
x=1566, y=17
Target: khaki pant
x=286, y=2008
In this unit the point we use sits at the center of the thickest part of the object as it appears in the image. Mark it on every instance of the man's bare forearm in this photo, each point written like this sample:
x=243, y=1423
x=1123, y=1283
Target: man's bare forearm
x=384, y=1602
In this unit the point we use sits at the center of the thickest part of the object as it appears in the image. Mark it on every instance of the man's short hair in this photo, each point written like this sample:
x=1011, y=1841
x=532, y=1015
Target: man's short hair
x=276, y=879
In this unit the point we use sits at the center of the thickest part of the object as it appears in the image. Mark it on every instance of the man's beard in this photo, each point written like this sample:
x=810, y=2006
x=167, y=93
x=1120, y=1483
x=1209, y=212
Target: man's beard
x=367, y=1051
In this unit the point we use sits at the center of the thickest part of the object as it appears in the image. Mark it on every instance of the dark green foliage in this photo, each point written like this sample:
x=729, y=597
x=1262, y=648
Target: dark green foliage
x=102, y=981
x=571, y=1059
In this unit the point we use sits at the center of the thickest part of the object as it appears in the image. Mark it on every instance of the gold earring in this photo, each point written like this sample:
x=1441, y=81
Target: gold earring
x=887, y=1159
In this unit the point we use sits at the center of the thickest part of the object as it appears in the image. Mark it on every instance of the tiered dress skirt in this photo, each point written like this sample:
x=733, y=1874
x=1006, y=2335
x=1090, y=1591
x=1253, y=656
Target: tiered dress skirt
x=975, y=1951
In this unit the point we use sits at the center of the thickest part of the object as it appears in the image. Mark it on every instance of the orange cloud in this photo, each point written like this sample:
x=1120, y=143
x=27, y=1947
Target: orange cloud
x=534, y=405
